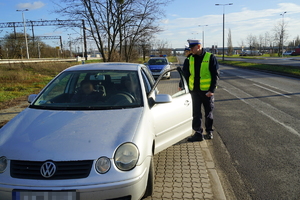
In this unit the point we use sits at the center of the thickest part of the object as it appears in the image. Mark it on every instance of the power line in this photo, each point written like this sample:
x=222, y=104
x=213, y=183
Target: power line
x=36, y=37
x=72, y=23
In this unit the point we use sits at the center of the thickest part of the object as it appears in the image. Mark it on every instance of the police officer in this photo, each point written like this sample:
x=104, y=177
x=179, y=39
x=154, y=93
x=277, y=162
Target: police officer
x=201, y=73
x=187, y=51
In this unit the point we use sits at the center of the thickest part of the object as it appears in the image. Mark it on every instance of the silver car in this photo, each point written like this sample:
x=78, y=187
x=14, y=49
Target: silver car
x=91, y=133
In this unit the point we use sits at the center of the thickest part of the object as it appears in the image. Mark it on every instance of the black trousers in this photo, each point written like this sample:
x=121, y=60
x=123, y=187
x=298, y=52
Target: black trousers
x=199, y=98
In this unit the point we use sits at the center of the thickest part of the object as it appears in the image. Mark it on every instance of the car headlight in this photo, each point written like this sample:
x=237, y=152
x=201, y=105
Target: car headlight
x=102, y=165
x=126, y=156
x=3, y=164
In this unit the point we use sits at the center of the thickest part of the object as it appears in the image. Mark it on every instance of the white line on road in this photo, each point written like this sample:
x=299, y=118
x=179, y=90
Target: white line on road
x=271, y=90
x=262, y=107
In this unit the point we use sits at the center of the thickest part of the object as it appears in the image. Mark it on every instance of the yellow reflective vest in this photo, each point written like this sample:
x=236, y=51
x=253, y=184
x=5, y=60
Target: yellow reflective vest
x=205, y=76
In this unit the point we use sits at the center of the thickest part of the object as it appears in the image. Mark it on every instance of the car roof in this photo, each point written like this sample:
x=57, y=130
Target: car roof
x=106, y=66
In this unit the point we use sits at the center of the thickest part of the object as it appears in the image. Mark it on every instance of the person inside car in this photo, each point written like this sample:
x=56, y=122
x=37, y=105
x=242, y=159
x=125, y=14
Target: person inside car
x=87, y=93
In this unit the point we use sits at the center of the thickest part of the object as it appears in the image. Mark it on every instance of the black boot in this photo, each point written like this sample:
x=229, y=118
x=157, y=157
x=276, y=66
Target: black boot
x=196, y=137
x=209, y=135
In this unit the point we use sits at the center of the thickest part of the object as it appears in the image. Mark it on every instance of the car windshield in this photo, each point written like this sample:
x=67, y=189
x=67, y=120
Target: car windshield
x=86, y=90
x=158, y=62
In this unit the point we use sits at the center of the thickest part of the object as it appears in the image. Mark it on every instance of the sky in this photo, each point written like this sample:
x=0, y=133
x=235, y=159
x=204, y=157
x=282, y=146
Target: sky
x=182, y=19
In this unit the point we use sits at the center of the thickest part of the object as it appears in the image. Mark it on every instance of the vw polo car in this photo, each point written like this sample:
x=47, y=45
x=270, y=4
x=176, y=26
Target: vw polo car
x=159, y=64
x=90, y=134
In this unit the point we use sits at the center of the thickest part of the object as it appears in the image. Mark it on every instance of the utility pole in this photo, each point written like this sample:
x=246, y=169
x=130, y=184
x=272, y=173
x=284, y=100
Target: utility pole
x=84, y=40
x=26, y=43
x=203, y=44
x=228, y=4
x=282, y=33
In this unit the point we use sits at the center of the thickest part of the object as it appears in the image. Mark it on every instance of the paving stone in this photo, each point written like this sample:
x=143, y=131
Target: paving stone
x=208, y=196
x=206, y=185
x=187, y=196
x=187, y=189
x=167, y=195
x=187, y=184
x=177, y=184
x=168, y=185
x=198, y=196
x=207, y=190
x=196, y=186
x=177, y=195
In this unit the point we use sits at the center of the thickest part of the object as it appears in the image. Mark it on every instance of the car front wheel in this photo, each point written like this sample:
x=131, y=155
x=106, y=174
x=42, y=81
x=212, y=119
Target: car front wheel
x=150, y=182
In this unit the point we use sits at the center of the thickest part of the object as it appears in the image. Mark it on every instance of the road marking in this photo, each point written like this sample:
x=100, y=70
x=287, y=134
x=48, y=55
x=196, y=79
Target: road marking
x=259, y=106
x=271, y=90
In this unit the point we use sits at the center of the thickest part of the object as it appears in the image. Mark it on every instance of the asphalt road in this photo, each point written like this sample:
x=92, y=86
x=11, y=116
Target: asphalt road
x=285, y=61
x=257, y=129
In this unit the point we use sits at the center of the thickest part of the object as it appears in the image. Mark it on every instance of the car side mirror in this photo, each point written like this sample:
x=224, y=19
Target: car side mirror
x=159, y=99
x=31, y=98
x=163, y=98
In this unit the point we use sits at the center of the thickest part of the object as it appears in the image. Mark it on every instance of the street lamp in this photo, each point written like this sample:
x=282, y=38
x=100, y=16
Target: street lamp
x=227, y=4
x=203, y=34
x=26, y=43
x=282, y=31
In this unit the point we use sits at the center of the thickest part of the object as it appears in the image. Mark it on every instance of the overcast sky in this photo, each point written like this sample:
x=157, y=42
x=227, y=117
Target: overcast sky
x=182, y=19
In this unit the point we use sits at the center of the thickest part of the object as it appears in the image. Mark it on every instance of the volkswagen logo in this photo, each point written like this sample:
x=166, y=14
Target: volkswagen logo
x=48, y=169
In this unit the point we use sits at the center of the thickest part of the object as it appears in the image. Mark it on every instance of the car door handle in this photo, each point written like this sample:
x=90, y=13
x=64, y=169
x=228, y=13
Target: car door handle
x=187, y=103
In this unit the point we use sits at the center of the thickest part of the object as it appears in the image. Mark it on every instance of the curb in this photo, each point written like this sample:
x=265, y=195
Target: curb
x=212, y=172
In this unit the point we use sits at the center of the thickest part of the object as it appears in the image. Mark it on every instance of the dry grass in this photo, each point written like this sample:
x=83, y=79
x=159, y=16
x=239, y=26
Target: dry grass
x=19, y=80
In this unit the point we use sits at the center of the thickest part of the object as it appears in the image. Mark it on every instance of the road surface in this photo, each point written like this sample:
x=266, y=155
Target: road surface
x=257, y=120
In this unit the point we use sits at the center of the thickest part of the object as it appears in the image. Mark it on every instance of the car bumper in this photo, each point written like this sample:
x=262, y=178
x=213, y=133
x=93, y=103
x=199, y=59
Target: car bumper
x=131, y=188
x=157, y=74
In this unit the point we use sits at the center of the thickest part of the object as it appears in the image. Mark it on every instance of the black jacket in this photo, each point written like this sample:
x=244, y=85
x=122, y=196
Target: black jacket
x=213, y=68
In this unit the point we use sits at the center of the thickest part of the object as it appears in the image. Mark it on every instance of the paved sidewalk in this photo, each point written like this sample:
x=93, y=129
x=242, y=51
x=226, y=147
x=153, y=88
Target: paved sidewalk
x=185, y=170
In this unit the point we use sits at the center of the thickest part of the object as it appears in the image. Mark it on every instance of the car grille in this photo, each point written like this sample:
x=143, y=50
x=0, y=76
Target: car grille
x=64, y=169
x=155, y=70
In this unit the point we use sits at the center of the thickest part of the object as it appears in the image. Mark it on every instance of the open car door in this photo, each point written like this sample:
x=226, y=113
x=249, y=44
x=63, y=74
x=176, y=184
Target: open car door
x=172, y=109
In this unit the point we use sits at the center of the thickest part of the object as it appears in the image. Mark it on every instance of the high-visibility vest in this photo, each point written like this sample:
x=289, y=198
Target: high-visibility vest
x=205, y=76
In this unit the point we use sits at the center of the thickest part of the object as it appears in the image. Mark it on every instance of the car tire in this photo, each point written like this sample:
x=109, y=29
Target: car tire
x=150, y=182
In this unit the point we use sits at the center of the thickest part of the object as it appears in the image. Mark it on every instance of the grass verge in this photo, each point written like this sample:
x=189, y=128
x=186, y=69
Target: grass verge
x=287, y=70
x=20, y=80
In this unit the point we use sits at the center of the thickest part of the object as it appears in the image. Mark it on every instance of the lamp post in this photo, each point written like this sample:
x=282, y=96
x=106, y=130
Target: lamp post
x=26, y=43
x=227, y=4
x=282, y=31
x=203, y=34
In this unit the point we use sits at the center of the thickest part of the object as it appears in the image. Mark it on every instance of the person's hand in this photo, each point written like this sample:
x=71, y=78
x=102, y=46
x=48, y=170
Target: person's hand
x=209, y=94
x=179, y=89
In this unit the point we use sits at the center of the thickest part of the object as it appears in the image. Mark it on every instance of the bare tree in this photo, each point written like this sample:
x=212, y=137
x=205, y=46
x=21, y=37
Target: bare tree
x=229, y=44
x=261, y=42
x=13, y=46
x=280, y=35
x=116, y=25
x=295, y=42
x=162, y=46
x=242, y=44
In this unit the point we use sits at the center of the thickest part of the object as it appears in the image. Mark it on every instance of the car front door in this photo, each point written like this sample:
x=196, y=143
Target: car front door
x=172, y=120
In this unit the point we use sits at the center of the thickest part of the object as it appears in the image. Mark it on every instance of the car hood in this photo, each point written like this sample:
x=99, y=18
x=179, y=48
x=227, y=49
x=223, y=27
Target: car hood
x=37, y=134
x=157, y=66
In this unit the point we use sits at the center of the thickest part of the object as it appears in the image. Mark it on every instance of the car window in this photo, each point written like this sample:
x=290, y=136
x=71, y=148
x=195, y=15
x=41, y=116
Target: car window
x=171, y=86
x=103, y=89
x=158, y=61
x=146, y=81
